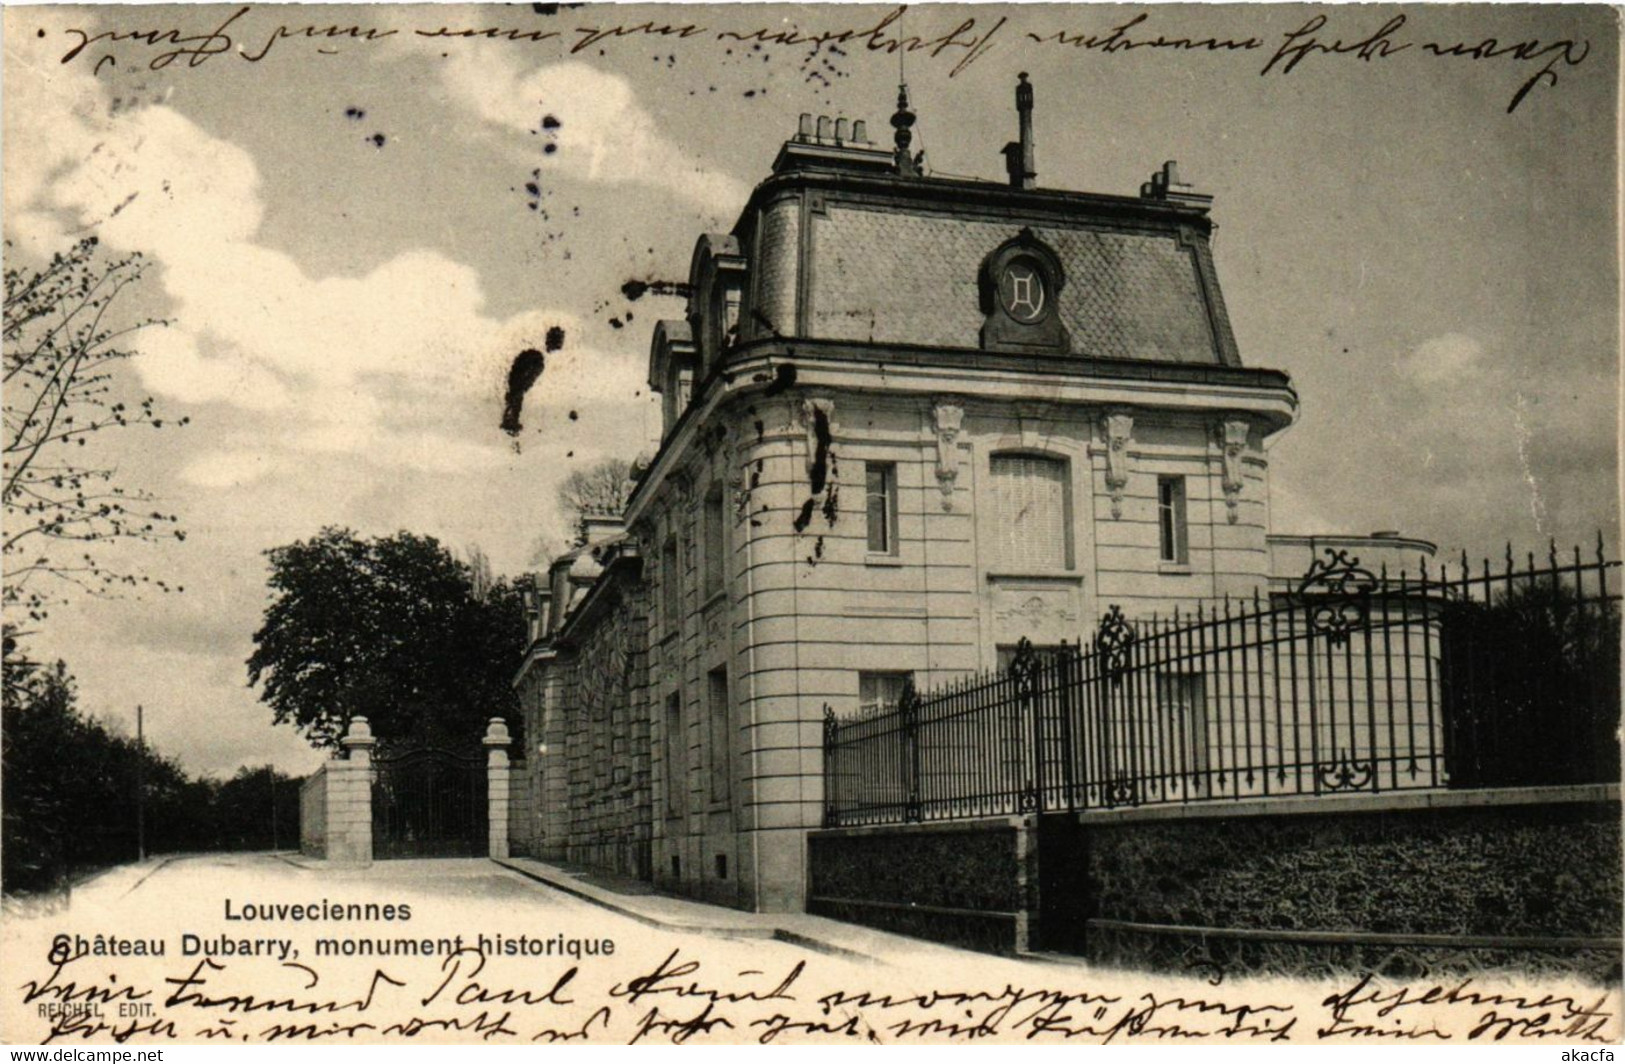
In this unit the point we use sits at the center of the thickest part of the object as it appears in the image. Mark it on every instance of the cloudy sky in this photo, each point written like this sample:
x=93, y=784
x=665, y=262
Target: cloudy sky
x=354, y=237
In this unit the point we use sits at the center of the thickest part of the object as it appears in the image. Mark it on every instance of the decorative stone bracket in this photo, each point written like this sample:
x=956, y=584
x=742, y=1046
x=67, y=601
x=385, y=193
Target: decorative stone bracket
x=1233, y=441
x=1119, y=429
x=948, y=417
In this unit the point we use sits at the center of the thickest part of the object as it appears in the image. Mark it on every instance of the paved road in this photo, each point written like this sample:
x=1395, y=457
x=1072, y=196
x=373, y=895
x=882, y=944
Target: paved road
x=254, y=950
x=254, y=927
x=232, y=894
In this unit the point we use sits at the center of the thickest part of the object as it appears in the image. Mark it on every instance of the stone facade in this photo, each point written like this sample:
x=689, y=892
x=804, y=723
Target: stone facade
x=585, y=784
x=910, y=421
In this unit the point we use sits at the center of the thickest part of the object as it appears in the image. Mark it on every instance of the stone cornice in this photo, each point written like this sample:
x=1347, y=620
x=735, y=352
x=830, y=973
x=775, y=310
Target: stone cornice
x=751, y=369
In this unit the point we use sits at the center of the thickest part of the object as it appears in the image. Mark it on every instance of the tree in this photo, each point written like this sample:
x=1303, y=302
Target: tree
x=601, y=488
x=387, y=628
x=69, y=787
x=257, y=809
x=62, y=352
x=1531, y=686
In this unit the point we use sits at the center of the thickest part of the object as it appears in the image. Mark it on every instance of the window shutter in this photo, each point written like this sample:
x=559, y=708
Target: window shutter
x=1030, y=516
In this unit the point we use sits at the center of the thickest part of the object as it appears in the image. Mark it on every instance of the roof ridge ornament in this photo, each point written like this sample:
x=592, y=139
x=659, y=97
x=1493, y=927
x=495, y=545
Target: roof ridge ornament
x=903, y=123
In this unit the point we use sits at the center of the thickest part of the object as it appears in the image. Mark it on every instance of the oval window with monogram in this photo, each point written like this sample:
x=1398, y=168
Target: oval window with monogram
x=1022, y=291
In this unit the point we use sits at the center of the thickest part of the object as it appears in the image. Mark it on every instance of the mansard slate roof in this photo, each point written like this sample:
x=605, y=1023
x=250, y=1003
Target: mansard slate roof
x=896, y=259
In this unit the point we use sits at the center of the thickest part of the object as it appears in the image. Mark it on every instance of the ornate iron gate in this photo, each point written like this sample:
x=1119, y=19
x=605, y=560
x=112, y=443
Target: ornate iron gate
x=429, y=803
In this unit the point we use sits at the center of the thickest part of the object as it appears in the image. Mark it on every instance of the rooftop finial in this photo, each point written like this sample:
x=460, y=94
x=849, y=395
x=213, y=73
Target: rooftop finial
x=903, y=122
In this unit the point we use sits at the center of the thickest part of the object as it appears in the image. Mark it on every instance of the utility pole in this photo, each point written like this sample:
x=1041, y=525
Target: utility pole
x=271, y=772
x=140, y=784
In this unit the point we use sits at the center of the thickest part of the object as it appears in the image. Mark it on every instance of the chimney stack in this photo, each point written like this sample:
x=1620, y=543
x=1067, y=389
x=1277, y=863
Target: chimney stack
x=1165, y=185
x=1018, y=155
x=598, y=525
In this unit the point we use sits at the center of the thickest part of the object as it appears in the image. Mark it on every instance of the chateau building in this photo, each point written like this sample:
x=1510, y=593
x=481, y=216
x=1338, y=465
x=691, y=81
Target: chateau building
x=909, y=422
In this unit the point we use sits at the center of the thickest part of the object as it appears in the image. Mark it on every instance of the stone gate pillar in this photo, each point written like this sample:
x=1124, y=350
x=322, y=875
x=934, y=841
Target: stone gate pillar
x=349, y=797
x=496, y=779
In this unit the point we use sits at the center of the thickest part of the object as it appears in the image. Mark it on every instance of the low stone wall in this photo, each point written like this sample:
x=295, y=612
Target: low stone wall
x=1403, y=885
x=313, y=814
x=966, y=883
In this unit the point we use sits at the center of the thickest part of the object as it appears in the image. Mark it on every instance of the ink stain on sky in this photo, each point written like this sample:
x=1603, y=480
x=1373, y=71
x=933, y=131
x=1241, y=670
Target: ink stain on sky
x=550, y=126
x=635, y=290
x=525, y=372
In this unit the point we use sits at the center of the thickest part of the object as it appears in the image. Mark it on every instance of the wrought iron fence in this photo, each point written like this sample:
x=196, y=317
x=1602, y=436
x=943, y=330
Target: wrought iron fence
x=1351, y=681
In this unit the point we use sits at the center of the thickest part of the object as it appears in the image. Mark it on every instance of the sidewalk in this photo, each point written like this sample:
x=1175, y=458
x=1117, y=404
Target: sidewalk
x=639, y=901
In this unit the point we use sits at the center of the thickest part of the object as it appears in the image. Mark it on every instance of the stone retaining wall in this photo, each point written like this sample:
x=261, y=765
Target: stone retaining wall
x=967, y=883
x=1403, y=885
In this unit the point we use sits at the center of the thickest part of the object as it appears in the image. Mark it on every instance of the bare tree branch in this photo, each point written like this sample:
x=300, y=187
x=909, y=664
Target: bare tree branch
x=602, y=488
x=61, y=362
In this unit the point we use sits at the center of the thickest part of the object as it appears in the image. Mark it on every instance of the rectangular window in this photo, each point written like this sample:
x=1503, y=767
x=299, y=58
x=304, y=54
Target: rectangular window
x=716, y=544
x=671, y=586
x=880, y=496
x=1183, y=698
x=1171, y=519
x=533, y=612
x=880, y=691
x=676, y=755
x=721, y=734
x=1031, y=522
x=685, y=388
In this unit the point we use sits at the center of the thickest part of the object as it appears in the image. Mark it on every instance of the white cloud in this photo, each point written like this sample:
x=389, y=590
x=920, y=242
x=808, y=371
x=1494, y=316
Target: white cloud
x=1294, y=513
x=603, y=134
x=1447, y=358
x=385, y=367
x=231, y=468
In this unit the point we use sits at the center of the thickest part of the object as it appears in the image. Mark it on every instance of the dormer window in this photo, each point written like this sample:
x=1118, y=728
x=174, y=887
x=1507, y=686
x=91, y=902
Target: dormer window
x=1020, y=284
x=716, y=279
x=672, y=365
